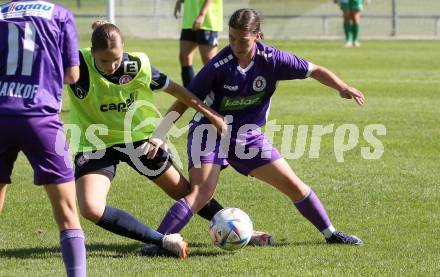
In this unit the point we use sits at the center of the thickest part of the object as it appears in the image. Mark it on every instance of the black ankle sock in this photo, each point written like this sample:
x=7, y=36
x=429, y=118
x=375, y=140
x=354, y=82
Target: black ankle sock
x=187, y=75
x=210, y=209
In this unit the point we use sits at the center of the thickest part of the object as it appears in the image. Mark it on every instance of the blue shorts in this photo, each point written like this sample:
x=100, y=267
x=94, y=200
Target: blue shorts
x=36, y=136
x=104, y=162
x=202, y=37
x=244, y=152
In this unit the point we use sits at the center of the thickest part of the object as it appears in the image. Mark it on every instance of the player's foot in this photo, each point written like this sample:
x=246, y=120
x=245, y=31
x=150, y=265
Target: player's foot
x=341, y=238
x=260, y=238
x=357, y=44
x=348, y=44
x=176, y=245
x=153, y=250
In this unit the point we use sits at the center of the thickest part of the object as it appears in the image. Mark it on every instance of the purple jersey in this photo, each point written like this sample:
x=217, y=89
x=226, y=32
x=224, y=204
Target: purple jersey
x=38, y=40
x=245, y=93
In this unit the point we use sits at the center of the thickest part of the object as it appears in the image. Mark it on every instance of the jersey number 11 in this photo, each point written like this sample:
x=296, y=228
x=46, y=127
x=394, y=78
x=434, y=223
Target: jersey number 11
x=13, y=49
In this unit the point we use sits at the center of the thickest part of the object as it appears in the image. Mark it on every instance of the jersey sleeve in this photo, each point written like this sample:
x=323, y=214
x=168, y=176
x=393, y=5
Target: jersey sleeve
x=290, y=67
x=69, y=47
x=203, y=82
x=159, y=81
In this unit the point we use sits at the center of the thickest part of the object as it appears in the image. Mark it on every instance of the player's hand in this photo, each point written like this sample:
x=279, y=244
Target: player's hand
x=178, y=8
x=151, y=146
x=198, y=22
x=220, y=124
x=350, y=92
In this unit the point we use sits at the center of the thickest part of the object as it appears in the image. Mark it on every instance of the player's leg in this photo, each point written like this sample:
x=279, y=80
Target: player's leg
x=208, y=43
x=207, y=52
x=93, y=181
x=187, y=48
x=62, y=199
x=348, y=27
x=92, y=192
x=163, y=173
x=92, y=189
x=177, y=187
x=8, y=155
x=44, y=144
x=203, y=183
x=2, y=196
x=173, y=183
x=279, y=174
x=356, y=19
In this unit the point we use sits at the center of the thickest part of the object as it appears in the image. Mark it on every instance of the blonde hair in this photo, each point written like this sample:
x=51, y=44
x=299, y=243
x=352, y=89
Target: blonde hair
x=105, y=36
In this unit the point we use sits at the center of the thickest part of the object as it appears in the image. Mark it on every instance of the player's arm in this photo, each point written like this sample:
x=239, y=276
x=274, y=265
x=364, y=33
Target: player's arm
x=81, y=85
x=185, y=99
x=2, y=196
x=202, y=13
x=69, y=50
x=71, y=75
x=178, y=8
x=188, y=99
x=328, y=78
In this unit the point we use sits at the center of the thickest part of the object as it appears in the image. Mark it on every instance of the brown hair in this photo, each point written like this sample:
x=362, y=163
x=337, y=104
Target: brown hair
x=105, y=36
x=246, y=20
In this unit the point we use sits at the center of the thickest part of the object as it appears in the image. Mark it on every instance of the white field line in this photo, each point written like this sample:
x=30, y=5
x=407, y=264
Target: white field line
x=388, y=81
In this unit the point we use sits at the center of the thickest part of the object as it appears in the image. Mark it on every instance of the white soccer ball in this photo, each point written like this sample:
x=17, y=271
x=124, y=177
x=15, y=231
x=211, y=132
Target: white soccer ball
x=231, y=229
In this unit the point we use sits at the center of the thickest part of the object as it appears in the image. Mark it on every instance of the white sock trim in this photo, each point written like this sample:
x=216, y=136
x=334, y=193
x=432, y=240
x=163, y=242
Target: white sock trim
x=328, y=231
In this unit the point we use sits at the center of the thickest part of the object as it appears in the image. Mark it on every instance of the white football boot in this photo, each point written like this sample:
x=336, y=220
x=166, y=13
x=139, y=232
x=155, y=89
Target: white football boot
x=176, y=245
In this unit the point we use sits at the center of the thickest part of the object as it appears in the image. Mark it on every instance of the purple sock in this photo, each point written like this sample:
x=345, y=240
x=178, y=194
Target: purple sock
x=312, y=209
x=176, y=218
x=74, y=252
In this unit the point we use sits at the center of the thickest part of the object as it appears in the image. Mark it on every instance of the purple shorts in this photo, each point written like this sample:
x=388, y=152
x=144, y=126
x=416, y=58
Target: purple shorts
x=244, y=152
x=37, y=138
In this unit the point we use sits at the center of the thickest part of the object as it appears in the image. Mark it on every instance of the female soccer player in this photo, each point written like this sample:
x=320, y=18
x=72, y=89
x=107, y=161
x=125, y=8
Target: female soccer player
x=239, y=83
x=111, y=85
x=351, y=12
x=38, y=52
x=202, y=20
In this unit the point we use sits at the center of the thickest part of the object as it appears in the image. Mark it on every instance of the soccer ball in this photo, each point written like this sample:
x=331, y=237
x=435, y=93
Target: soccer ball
x=231, y=229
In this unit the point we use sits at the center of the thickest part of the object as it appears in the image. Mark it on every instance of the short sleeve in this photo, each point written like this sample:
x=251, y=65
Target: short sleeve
x=203, y=82
x=159, y=80
x=69, y=49
x=290, y=67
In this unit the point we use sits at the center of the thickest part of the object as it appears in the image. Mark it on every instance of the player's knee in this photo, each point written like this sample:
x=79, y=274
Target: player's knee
x=91, y=212
x=67, y=218
x=183, y=58
x=205, y=192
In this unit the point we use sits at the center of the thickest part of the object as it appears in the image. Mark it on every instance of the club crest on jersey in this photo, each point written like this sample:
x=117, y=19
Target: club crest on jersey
x=259, y=84
x=125, y=79
x=79, y=92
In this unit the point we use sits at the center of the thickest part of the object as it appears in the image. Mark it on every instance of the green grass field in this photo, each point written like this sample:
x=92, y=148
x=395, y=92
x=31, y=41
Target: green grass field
x=391, y=203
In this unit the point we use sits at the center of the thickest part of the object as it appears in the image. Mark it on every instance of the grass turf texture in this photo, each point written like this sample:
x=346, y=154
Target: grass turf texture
x=391, y=203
